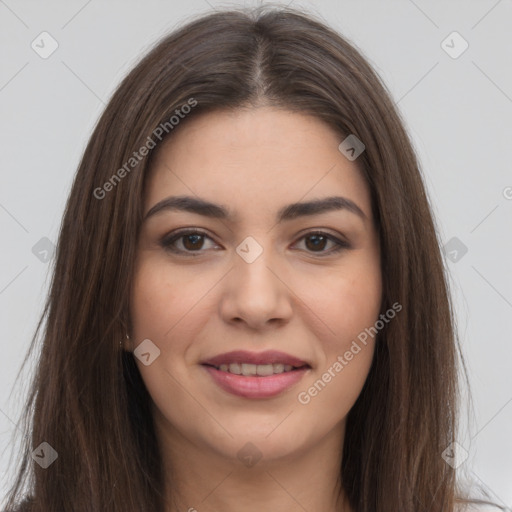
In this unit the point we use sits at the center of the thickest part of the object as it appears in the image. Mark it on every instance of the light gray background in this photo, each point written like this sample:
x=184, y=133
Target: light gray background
x=458, y=112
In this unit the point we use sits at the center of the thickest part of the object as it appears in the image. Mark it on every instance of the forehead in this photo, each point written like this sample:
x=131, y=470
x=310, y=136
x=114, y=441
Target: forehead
x=259, y=159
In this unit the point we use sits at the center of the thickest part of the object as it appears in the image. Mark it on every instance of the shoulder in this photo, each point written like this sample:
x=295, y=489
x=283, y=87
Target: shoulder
x=26, y=506
x=477, y=507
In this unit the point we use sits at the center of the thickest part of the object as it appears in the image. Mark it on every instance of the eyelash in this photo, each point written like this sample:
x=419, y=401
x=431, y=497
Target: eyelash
x=167, y=241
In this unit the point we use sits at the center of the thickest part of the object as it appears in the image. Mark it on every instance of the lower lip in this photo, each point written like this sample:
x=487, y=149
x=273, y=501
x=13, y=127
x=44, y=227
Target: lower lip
x=256, y=387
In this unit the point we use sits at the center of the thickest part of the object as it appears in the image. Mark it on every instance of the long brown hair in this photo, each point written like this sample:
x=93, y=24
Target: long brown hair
x=87, y=399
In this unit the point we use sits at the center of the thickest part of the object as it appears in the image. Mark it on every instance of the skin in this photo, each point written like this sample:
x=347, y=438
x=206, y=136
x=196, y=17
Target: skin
x=295, y=297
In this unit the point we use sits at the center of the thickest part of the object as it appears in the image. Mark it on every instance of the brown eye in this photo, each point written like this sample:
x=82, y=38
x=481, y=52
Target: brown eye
x=184, y=242
x=193, y=242
x=316, y=242
x=188, y=242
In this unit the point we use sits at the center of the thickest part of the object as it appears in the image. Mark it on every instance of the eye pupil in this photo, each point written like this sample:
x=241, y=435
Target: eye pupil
x=316, y=245
x=195, y=239
x=193, y=242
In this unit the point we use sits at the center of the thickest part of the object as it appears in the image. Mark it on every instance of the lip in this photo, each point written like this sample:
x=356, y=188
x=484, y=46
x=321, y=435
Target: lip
x=266, y=357
x=256, y=387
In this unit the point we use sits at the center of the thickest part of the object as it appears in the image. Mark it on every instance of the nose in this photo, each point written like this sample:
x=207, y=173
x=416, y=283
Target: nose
x=256, y=294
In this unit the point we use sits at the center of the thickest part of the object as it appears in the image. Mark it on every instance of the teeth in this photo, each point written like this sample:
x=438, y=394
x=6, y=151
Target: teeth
x=255, y=369
x=248, y=369
x=233, y=368
x=264, y=369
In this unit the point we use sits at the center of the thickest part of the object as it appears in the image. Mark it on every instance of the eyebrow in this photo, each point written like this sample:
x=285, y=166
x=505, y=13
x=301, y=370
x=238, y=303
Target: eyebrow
x=286, y=213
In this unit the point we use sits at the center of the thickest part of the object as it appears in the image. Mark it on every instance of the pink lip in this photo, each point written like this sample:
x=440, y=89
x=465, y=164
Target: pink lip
x=256, y=387
x=267, y=357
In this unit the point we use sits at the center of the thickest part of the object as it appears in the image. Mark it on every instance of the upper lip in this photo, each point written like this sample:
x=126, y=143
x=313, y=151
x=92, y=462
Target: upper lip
x=266, y=357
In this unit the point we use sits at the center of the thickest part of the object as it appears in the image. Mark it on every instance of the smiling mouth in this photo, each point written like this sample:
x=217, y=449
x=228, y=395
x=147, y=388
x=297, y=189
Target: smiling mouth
x=257, y=370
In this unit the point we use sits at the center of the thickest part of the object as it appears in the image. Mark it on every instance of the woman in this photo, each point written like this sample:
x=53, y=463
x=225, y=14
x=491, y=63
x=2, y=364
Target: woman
x=249, y=309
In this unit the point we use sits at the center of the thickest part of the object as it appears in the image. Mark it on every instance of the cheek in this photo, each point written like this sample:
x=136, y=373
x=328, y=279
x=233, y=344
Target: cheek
x=348, y=303
x=359, y=303
x=170, y=306
x=343, y=301
x=153, y=302
x=163, y=297
x=347, y=347
x=162, y=310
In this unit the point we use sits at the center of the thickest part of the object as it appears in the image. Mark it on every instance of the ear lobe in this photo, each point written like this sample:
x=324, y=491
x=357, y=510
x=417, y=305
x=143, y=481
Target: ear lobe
x=122, y=345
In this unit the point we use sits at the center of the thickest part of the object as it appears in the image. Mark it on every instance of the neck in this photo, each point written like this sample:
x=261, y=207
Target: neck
x=202, y=480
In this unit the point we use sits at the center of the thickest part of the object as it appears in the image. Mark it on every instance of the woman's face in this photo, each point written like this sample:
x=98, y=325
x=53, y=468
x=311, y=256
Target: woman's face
x=258, y=277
